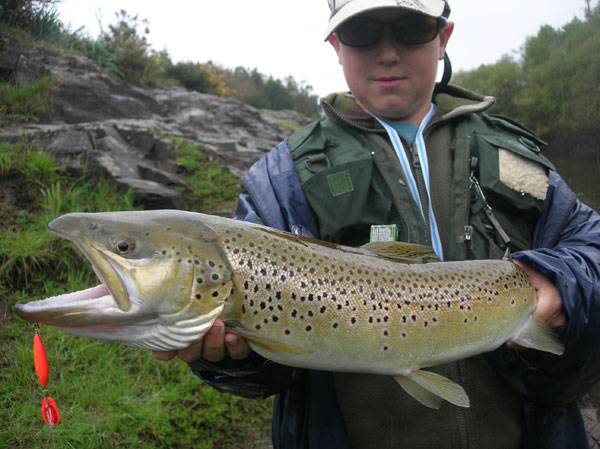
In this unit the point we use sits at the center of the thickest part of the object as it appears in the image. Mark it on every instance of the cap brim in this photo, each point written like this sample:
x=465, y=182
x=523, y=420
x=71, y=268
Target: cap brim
x=355, y=7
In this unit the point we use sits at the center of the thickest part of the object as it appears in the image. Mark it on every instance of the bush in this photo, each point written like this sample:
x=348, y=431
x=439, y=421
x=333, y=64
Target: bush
x=199, y=77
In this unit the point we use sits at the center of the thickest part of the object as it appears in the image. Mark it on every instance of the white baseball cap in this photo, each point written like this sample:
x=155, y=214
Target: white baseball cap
x=342, y=10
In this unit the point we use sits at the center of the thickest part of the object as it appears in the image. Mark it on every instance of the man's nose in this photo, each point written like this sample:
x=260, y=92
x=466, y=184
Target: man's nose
x=388, y=49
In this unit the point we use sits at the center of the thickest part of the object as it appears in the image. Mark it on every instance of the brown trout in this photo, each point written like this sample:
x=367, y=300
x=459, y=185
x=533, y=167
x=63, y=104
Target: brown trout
x=167, y=275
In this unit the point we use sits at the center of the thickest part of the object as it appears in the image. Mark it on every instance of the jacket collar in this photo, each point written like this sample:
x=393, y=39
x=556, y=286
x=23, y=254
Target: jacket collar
x=451, y=102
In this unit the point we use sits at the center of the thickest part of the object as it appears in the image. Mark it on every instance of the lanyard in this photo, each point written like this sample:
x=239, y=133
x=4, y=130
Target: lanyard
x=404, y=162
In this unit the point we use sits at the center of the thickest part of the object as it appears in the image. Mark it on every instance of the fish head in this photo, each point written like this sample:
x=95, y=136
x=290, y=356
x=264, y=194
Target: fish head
x=165, y=279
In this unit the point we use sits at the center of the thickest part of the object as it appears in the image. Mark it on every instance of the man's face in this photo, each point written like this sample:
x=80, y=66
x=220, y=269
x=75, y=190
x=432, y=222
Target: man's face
x=391, y=80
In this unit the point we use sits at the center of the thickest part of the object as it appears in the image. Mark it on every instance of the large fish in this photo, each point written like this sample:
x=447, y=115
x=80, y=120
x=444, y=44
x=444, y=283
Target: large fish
x=167, y=275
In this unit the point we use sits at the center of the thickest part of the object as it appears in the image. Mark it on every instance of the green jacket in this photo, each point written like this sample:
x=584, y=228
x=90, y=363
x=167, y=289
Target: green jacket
x=352, y=179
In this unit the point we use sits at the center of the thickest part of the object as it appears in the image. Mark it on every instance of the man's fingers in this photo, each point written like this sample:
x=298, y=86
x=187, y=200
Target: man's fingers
x=164, y=355
x=237, y=346
x=212, y=347
x=214, y=344
x=192, y=352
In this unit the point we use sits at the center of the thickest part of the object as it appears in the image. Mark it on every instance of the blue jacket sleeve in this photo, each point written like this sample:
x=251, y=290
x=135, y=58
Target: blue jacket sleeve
x=566, y=250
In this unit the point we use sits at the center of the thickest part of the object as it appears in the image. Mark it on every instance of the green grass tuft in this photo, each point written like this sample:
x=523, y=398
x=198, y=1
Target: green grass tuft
x=26, y=102
x=213, y=189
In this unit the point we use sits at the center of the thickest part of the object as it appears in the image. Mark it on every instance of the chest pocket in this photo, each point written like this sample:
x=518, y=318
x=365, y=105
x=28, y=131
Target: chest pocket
x=512, y=173
x=347, y=201
x=342, y=184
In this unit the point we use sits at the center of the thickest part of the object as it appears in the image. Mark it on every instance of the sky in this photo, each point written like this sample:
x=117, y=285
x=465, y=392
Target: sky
x=286, y=37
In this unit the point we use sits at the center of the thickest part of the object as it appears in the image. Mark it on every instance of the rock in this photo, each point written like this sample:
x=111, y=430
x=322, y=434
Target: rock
x=103, y=126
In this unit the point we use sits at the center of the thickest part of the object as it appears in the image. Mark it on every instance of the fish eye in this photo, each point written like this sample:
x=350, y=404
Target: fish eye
x=124, y=246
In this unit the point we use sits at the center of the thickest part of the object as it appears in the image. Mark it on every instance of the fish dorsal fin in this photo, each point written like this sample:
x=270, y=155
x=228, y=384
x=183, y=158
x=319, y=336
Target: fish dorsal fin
x=430, y=388
x=272, y=345
x=403, y=252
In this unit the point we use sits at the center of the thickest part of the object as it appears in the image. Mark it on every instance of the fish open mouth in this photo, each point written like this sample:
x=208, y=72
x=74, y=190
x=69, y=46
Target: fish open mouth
x=94, y=306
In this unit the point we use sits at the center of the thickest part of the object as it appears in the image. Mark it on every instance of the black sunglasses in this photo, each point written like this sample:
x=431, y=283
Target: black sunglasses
x=413, y=29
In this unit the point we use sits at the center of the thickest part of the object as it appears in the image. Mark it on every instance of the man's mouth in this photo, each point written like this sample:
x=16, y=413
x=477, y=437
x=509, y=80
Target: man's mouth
x=389, y=82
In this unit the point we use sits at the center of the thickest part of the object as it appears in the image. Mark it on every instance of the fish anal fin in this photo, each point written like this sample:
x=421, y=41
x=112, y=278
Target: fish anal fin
x=422, y=395
x=403, y=252
x=430, y=388
x=271, y=345
x=539, y=335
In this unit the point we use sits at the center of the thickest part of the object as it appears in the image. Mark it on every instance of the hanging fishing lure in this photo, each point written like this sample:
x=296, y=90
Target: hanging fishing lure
x=50, y=411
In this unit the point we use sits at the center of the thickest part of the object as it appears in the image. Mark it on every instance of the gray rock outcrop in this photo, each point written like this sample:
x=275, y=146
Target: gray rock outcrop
x=111, y=129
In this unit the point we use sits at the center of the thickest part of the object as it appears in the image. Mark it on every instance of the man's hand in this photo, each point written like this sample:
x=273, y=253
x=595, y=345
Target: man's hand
x=550, y=306
x=212, y=347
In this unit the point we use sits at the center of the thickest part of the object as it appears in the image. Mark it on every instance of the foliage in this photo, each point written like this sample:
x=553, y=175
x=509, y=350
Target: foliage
x=109, y=395
x=199, y=77
x=260, y=91
x=26, y=102
x=213, y=189
x=38, y=17
x=554, y=86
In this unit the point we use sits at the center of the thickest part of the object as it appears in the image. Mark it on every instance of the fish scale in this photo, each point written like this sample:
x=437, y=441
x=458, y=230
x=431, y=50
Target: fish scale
x=384, y=308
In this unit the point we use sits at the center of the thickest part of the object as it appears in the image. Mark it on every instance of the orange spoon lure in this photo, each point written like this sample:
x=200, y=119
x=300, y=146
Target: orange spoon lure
x=50, y=411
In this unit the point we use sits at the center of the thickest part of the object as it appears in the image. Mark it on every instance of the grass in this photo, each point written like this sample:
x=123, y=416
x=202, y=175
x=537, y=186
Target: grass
x=26, y=102
x=212, y=188
x=109, y=395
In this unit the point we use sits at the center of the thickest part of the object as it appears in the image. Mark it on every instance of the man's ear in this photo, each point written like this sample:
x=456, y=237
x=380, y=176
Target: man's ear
x=335, y=42
x=444, y=36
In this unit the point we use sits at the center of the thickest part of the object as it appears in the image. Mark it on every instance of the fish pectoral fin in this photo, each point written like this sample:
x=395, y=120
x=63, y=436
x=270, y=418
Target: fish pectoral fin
x=431, y=388
x=539, y=335
x=271, y=345
x=403, y=252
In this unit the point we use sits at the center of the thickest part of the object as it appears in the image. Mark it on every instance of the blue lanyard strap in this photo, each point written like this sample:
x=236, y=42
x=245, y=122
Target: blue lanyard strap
x=424, y=164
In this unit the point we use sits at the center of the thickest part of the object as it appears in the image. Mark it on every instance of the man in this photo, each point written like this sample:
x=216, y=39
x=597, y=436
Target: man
x=400, y=150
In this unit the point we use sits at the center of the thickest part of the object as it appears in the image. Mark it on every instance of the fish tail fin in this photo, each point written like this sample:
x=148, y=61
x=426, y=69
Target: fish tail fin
x=431, y=388
x=539, y=335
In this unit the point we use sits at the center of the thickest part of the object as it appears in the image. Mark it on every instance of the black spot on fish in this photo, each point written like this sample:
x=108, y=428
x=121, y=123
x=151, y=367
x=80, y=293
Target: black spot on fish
x=215, y=294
